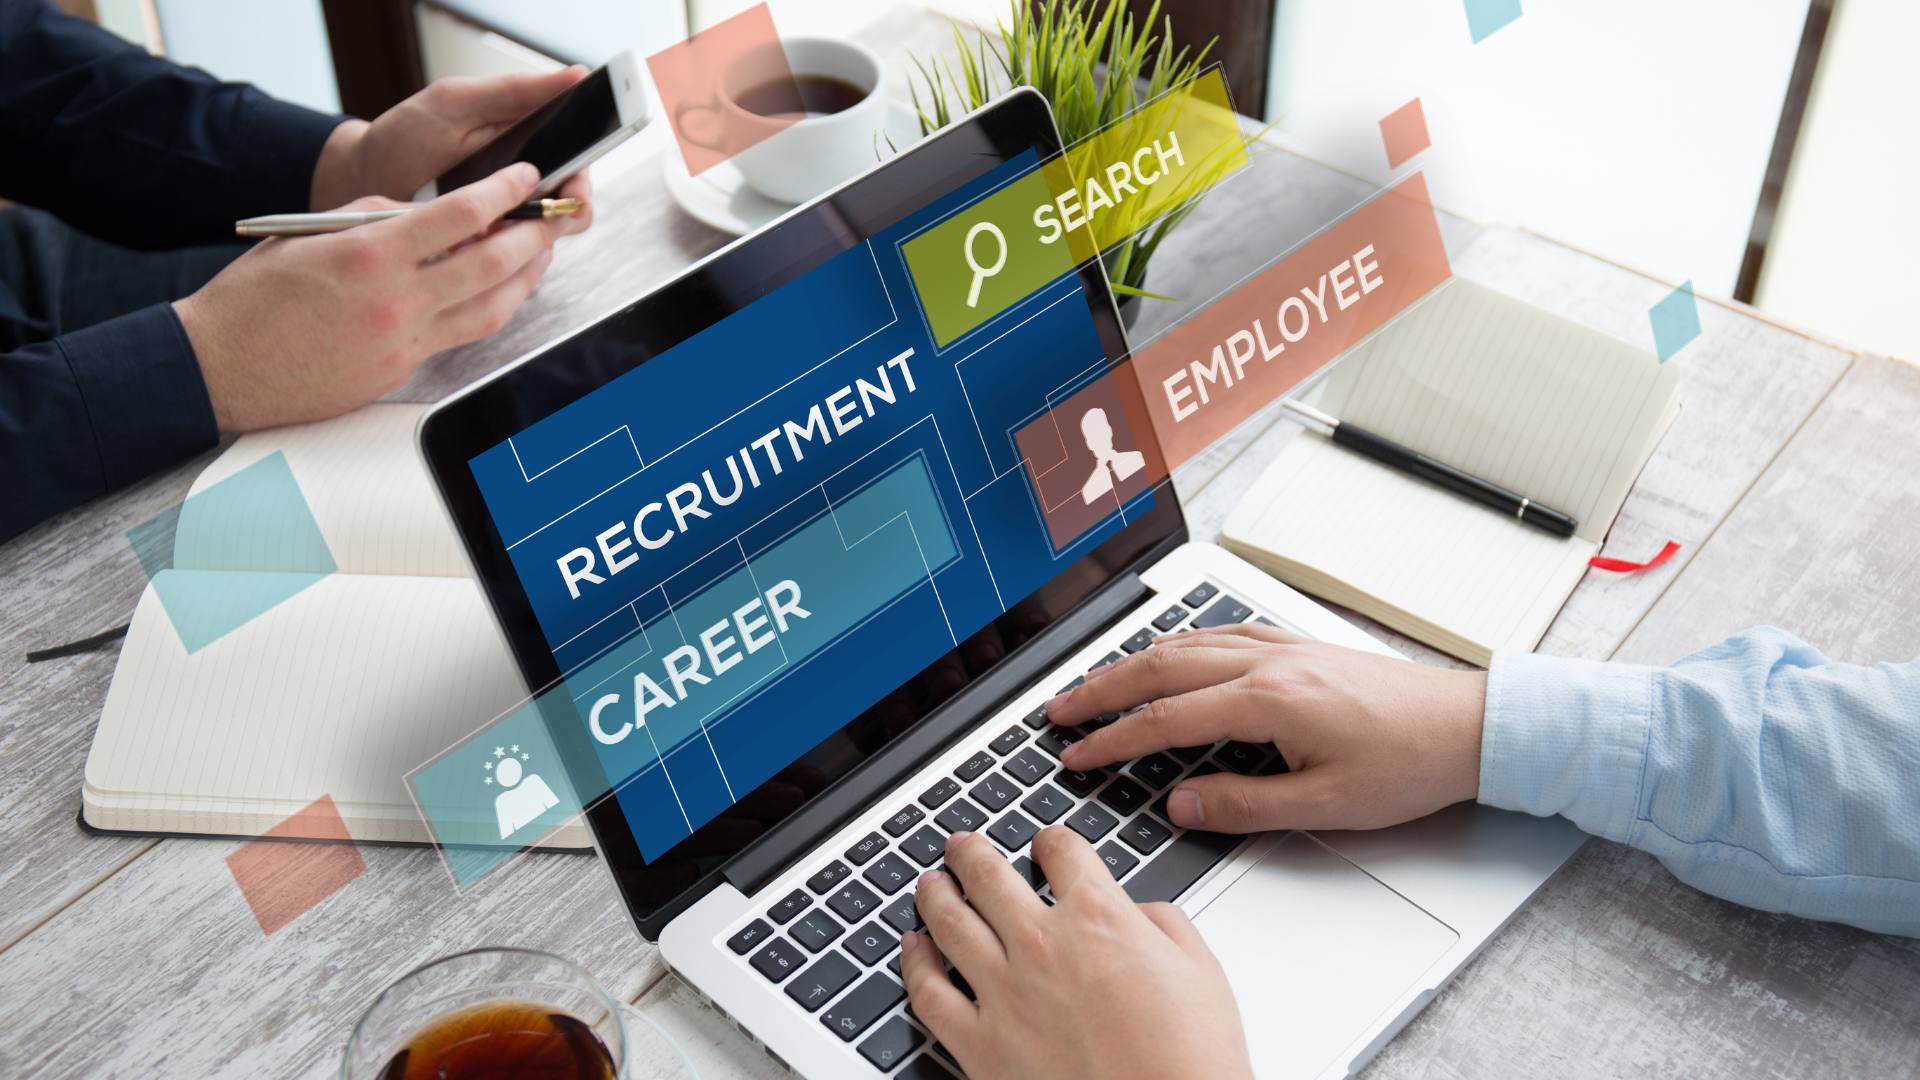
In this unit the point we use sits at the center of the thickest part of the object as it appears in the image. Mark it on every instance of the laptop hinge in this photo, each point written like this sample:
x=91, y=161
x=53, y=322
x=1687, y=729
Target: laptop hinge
x=768, y=856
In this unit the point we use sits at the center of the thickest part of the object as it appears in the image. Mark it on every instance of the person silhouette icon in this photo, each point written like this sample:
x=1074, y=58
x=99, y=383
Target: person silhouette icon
x=523, y=801
x=1110, y=466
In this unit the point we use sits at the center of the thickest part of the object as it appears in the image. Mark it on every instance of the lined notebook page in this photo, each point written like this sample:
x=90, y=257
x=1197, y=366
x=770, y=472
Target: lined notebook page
x=340, y=690
x=1542, y=406
x=1557, y=412
x=366, y=486
x=1413, y=556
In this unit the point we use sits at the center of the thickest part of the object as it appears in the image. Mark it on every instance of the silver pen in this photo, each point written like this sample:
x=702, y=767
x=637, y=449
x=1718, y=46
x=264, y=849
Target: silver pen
x=334, y=221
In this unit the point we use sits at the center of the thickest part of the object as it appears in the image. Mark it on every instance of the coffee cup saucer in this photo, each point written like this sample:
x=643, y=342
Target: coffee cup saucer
x=720, y=197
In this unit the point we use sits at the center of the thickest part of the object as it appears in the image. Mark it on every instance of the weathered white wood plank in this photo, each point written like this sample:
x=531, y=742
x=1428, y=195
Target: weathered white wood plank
x=1616, y=968
x=1826, y=545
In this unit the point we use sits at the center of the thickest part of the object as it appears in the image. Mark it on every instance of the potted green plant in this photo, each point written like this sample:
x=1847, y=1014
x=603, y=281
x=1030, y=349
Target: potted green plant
x=1094, y=63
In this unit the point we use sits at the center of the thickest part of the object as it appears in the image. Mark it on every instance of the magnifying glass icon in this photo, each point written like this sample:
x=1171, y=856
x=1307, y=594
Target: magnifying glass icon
x=982, y=273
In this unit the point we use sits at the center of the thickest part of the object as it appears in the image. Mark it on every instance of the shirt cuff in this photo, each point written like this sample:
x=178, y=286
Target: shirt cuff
x=1567, y=737
x=144, y=394
x=277, y=148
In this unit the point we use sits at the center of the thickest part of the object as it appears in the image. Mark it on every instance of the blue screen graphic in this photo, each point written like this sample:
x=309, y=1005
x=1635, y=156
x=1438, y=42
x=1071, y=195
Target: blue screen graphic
x=786, y=516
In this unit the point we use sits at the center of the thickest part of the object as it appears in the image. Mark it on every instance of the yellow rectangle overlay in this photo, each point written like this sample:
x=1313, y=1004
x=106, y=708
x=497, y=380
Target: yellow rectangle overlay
x=1103, y=189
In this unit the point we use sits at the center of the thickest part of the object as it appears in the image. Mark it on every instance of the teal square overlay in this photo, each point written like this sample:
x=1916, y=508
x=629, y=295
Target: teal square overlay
x=1676, y=321
x=1486, y=16
x=232, y=552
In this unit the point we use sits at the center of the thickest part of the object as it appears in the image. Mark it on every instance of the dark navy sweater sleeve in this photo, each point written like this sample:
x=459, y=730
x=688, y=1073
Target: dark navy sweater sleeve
x=96, y=409
x=138, y=150
x=144, y=153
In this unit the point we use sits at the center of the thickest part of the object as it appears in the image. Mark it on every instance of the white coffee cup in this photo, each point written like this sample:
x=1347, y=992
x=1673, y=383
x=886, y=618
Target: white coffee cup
x=795, y=160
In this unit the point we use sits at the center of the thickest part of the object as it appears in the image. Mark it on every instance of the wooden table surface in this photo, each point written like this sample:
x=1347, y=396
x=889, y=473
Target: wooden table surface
x=1792, y=478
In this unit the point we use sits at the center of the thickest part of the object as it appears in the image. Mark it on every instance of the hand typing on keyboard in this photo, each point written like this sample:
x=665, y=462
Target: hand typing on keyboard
x=1367, y=741
x=1094, y=985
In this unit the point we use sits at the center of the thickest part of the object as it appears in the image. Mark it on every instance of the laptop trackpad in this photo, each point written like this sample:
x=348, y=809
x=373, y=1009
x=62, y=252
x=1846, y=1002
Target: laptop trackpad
x=1316, y=951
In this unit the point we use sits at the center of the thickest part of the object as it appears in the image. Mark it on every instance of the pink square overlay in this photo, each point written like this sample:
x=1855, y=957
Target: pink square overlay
x=1404, y=130
x=695, y=77
x=282, y=880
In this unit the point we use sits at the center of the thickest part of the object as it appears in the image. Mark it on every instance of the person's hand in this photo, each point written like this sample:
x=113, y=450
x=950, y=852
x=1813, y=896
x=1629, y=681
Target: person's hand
x=1094, y=986
x=1371, y=741
x=426, y=134
x=305, y=328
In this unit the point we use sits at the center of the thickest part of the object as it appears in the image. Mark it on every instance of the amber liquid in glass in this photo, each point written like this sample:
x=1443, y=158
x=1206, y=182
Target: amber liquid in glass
x=503, y=1040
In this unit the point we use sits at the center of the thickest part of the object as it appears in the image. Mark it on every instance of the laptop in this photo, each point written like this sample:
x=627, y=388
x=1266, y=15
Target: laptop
x=776, y=556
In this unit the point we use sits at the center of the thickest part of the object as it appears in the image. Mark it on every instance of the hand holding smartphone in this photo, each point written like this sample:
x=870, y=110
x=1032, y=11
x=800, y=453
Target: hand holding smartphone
x=567, y=133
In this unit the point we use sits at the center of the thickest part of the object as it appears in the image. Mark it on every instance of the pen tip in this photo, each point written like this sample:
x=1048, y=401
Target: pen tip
x=569, y=205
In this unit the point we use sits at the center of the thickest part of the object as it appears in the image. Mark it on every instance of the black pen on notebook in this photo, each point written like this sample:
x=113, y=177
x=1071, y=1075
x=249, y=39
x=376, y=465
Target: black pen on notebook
x=338, y=220
x=1388, y=452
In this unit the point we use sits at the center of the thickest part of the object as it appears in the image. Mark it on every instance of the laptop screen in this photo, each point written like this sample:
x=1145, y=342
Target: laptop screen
x=759, y=555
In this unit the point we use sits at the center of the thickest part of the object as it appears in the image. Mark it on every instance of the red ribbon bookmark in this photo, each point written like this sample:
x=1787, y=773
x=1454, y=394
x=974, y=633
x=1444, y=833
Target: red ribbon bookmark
x=1622, y=566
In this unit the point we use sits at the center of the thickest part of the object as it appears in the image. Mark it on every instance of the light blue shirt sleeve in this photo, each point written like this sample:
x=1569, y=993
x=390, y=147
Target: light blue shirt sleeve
x=1756, y=770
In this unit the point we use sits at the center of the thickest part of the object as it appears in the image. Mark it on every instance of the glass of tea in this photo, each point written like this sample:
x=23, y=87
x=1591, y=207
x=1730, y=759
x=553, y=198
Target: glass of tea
x=490, y=1014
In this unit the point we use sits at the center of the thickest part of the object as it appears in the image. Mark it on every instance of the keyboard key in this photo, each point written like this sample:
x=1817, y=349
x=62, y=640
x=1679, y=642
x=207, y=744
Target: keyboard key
x=828, y=877
x=903, y=915
x=871, y=942
x=1274, y=766
x=1029, y=766
x=1077, y=683
x=1048, y=803
x=962, y=816
x=1145, y=835
x=749, y=936
x=1013, y=831
x=1199, y=596
x=1264, y=621
x=816, y=986
x=1036, y=719
x=870, y=845
x=994, y=793
x=974, y=766
x=925, y=846
x=924, y=1067
x=939, y=793
x=1110, y=658
x=778, y=960
x=1225, y=612
x=1092, y=822
x=1141, y=639
x=1169, y=618
x=893, y=965
x=784, y=911
x=1240, y=757
x=1080, y=783
x=1008, y=741
x=904, y=820
x=816, y=930
x=867, y=1003
x=1124, y=796
x=1031, y=872
x=1190, y=754
x=854, y=902
x=890, y=1045
x=1155, y=770
x=1055, y=739
x=890, y=873
x=1184, y=862
x=1118, y=859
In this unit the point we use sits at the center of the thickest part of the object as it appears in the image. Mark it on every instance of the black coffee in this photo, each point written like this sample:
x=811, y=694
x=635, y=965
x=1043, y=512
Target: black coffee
x=803, y=95
x=503, y=1040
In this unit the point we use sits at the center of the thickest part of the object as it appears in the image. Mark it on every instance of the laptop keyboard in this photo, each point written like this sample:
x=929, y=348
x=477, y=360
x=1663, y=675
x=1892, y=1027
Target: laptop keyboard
x=832, y=946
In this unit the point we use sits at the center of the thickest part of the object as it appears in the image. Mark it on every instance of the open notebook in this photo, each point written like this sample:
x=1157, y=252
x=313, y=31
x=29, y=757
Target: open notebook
x=1557, y=412
x=340, y=689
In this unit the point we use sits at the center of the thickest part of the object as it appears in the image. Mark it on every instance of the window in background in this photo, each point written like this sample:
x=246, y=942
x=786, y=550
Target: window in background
x=278, y=45
x=1636, y=129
